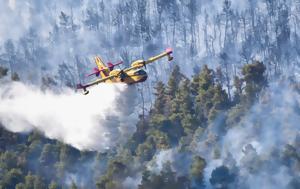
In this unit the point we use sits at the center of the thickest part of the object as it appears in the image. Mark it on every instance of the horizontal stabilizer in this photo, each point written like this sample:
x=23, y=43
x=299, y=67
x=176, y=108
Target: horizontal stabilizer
x=96, y=72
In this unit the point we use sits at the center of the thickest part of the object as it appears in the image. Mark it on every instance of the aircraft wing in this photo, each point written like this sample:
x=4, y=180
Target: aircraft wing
x=80, y=86
x=135, y=66
x=168, y=52
x=142, y=63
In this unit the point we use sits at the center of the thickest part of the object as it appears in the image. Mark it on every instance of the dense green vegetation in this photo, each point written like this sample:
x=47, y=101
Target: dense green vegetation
x=183, y=112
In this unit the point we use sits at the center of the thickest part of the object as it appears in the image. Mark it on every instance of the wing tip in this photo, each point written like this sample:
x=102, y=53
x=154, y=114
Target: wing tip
x=169, y=50
x=79, y=86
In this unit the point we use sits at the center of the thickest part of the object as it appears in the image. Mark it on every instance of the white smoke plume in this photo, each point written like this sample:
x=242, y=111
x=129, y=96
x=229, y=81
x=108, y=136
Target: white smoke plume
x=180, y=161
x=256, y=146
x=92, y=122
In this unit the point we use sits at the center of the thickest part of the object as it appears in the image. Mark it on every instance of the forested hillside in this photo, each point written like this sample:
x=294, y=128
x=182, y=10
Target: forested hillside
x=56, y=41
x=224, y=114
x=193, y=137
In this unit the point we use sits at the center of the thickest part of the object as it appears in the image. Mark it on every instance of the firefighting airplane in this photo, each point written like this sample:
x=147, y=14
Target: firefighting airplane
x=131, y=75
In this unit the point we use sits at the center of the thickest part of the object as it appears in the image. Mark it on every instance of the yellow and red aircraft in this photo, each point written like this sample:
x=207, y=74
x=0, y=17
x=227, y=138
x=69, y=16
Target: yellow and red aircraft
x=133, y=74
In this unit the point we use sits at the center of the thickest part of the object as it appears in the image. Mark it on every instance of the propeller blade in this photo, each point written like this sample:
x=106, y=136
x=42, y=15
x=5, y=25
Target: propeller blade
x=111, y=66
x=121, y=62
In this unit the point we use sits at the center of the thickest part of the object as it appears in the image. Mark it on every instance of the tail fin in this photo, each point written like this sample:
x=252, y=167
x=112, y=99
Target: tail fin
x=99, y=63
x=101, y=67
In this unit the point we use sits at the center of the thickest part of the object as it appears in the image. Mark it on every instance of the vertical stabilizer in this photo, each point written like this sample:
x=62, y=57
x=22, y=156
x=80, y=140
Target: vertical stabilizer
x=101, y=66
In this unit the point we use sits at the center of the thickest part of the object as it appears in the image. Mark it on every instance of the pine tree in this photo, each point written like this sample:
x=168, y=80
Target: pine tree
x=3, y=72
x=255, y=79
x=205, y=94
x=15, y=77
x=221, y=177
x=73, y=186
x=53, y=185
x=160, y=100
x=211, y=98
x=220, y=102
x=11, y=178
x=238, y=84
x=174, y=82
x=197, y=170
x=49, y=155
x=182, y=108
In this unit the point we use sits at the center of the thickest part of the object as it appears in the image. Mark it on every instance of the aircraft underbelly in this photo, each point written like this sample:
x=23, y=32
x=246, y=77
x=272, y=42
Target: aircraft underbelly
x=134, y=79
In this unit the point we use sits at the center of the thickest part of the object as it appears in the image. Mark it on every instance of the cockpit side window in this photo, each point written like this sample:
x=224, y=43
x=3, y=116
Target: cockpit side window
x=140, y=72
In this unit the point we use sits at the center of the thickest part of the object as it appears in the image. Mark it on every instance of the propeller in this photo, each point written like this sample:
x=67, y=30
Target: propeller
x=111, y=65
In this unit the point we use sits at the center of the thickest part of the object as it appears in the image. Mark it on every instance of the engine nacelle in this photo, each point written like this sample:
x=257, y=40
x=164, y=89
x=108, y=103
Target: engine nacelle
x=138, y=63
x=114, y=72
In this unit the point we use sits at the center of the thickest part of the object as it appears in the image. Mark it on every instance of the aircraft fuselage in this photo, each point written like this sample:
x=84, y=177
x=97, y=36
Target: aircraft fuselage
x=131, y=77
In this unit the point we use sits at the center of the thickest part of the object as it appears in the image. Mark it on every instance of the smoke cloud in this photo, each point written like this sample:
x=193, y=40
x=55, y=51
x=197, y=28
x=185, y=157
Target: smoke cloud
x=92, y=122
x=254, y=149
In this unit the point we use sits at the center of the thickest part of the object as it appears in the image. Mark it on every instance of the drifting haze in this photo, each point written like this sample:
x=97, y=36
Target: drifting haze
x=254, y=149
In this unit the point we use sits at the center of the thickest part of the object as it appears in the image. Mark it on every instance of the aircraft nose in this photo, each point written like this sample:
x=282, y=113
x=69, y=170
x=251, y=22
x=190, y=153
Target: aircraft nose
x=144, y=78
